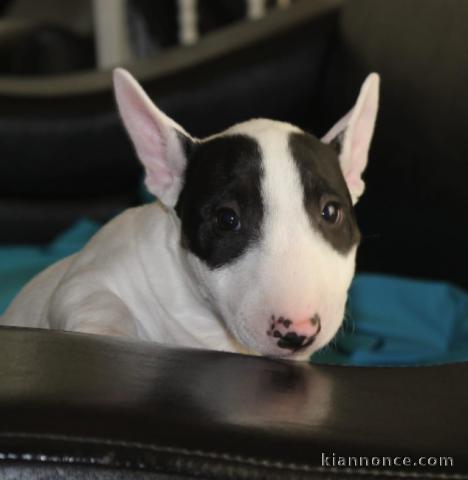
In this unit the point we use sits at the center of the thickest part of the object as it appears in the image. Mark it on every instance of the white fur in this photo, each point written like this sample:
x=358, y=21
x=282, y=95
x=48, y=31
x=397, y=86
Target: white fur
x=155, y=296
x=134, y=279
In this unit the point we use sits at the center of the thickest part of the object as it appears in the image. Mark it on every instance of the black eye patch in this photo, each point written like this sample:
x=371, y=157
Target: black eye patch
x=321, y=178
x=223, y=171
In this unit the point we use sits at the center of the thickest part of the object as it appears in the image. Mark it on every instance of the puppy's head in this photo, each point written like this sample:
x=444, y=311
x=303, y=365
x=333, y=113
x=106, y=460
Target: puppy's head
x=266, y=215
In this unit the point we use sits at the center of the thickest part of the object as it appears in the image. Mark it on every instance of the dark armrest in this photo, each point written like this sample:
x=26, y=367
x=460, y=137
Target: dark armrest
x=79, y=404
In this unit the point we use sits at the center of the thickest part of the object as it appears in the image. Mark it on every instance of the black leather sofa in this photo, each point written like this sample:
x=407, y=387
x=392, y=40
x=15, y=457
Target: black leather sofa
x=88, y=407
x=77, y=406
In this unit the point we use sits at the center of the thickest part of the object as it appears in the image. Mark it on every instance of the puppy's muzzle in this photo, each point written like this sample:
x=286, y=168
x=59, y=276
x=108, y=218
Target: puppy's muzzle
x=288, y=338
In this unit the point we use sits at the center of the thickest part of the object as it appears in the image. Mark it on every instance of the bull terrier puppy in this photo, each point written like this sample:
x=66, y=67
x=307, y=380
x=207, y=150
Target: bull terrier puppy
x=250, y=247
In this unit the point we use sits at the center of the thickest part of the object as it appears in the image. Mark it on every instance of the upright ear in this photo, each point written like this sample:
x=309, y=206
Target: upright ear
x=353, y=134
x=160, y=143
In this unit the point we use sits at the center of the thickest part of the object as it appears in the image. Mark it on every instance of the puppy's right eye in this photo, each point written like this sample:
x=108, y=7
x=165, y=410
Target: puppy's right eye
x=332, y=212
x=227, y=219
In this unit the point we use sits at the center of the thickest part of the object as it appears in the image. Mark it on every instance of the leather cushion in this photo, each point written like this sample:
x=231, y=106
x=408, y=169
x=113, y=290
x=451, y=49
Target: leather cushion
x=81, y=400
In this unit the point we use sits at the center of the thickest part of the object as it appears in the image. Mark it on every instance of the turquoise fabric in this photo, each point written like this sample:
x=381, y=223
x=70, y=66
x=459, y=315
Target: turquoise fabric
x=397, y=321
x=18, y=264
x=390, y=321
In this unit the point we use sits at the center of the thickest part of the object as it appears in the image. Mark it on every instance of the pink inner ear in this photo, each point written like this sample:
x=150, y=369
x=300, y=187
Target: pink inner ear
x=144, y=128
x=158, y=180
x=362, y=136
x=358, y=135
x=154, y=136
x=355, y=185
x=147, y=131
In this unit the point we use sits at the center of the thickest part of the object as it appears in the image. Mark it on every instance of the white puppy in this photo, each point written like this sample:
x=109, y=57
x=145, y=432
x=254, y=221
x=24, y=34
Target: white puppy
x=250, y=248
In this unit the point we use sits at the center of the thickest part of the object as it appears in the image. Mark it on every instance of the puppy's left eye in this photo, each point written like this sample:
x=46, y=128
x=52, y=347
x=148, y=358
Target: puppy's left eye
x=227, y=219
x=332, y=212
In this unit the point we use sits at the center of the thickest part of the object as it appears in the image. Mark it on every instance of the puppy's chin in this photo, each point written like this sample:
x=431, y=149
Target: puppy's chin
x=272, y=351
x=256, y=342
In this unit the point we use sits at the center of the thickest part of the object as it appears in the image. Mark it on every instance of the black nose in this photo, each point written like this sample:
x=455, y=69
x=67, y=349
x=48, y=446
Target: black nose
x=292, y=341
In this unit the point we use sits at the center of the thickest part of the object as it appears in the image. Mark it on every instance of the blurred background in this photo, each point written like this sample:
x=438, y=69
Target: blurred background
x=66, y=164
x=53, y=37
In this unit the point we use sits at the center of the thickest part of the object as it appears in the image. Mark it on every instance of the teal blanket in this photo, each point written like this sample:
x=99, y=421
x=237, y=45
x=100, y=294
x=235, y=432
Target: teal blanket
x=18, y=264
x=396, y=321
x=390, y=321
